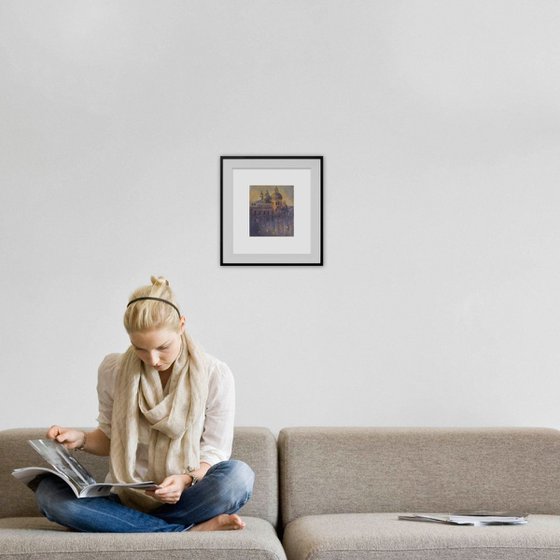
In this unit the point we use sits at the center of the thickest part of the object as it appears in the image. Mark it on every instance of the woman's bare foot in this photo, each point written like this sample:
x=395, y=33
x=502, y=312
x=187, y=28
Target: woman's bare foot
x=222, y=522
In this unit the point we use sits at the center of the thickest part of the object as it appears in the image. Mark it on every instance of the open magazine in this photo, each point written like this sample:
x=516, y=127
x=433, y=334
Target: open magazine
x=68, y=468
x=477, y=518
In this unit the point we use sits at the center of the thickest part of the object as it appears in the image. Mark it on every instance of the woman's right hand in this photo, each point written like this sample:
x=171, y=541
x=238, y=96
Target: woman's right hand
x=70, y=438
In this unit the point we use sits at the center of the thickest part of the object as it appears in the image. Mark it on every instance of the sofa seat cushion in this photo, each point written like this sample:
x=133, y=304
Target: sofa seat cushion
x=35, y=538
x=382, y=536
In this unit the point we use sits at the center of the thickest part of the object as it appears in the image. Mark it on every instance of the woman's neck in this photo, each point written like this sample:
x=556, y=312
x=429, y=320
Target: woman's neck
x=164, y=376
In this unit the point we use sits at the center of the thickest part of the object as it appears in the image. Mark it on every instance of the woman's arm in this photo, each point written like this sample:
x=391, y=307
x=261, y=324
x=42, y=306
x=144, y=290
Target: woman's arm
x=217, y=436
x=95, y=442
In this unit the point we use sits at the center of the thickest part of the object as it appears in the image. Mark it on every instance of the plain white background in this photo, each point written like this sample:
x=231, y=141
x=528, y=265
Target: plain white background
x=439, y=121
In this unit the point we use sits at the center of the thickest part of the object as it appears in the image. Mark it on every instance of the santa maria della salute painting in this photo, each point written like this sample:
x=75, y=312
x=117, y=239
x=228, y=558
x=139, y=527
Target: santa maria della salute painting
x=271, y=211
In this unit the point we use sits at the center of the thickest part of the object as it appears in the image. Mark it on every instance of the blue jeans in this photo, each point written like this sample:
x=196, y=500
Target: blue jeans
x=225, y=488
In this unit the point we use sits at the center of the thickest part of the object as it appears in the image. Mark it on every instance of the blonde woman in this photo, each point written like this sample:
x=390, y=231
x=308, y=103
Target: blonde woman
x=166, y=414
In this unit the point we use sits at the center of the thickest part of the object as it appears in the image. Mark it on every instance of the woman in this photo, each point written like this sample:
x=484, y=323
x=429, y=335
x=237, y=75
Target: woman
x=166, y=414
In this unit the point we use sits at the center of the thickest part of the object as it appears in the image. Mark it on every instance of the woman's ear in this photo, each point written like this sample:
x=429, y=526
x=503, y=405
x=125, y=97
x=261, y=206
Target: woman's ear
x=182, y=322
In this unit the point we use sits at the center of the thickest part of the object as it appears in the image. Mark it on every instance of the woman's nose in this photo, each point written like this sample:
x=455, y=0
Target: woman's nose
x=153, y=357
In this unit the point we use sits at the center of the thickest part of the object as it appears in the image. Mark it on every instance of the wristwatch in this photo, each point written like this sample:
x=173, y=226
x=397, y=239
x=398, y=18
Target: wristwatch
x=195, y=479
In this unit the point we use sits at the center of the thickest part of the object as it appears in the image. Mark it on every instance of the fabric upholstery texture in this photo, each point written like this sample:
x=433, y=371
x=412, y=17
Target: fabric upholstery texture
x=376, y=470
x=35, y=538
x=382, y=536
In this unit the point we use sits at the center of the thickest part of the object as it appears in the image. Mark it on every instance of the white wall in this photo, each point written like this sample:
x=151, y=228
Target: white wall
x=439, y=122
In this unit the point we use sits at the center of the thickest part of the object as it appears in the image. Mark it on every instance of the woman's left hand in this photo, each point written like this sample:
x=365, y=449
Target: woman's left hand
x=170, y=490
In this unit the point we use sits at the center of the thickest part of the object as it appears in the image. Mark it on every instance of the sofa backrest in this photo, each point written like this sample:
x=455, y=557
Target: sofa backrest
x=360, y=470
x=256, y=446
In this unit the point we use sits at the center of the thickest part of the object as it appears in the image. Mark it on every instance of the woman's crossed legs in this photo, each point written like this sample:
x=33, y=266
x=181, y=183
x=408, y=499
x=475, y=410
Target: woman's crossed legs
x=209, y=505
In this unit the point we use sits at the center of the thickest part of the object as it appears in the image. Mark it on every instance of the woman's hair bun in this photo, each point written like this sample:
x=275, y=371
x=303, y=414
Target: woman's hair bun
x=159, y=281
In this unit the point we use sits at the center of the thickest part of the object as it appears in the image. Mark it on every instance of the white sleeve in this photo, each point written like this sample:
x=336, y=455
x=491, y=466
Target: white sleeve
x=217, y=436
x=105, y=388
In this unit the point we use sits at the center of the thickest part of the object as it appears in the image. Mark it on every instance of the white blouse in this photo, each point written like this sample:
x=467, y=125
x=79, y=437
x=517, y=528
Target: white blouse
x=217, y=435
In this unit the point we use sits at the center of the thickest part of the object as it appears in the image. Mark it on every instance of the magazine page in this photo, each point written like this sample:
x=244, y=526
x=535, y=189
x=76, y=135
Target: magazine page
x=63, y=462
x=104, y=488
x=69, y=469
x=427, y=518
x=476, y=519
x=28, y=474
x=498, y=518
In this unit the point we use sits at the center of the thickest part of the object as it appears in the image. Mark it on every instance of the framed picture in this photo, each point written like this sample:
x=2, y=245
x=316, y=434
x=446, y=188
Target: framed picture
x=271, y=210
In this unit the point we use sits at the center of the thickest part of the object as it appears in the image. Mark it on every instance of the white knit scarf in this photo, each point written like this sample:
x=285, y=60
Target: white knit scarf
x=174, y=419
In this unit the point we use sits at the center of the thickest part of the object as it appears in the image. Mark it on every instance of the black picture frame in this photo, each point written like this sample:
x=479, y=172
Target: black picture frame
x=271, y=210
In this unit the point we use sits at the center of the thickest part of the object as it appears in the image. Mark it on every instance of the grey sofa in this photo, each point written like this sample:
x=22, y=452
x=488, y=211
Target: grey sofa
x=25, y=535
x=342, y=489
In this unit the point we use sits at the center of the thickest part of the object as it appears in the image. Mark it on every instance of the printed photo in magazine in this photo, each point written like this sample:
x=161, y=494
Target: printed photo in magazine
x=65, y=465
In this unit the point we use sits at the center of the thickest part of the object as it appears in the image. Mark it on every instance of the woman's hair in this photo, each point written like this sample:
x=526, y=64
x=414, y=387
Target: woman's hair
x=148, y=314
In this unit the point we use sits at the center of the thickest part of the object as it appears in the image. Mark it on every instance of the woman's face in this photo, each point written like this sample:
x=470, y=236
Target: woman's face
x=158, y=348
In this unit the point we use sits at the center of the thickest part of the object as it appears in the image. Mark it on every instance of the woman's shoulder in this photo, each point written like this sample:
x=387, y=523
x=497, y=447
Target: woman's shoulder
x=221, y=384
x=109, y=366
x=110, y=361
x=220, y=377
x=216, y=367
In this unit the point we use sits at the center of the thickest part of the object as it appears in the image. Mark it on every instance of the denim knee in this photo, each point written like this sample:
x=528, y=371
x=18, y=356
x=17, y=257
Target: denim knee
x=243, y=476
x=53, y=496
x=241, y=479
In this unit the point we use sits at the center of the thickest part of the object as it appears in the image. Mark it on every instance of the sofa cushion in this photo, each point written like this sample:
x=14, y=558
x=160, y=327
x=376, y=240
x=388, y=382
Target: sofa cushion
x=361, y=470
x=382, y=536
x=38, y=539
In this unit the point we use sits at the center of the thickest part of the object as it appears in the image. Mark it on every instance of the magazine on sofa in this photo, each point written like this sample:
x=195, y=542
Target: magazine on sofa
x=475, y=518
x=68, y=468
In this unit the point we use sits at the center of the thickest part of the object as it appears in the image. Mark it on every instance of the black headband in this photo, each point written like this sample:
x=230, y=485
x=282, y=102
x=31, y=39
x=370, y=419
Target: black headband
x=155, y=299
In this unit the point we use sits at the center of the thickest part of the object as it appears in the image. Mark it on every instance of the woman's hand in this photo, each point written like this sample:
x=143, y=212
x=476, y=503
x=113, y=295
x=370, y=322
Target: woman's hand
x=171, y=488
x=70, y=438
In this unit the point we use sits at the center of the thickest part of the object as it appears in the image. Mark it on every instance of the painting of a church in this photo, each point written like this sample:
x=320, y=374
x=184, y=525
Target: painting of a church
x=271, y=211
